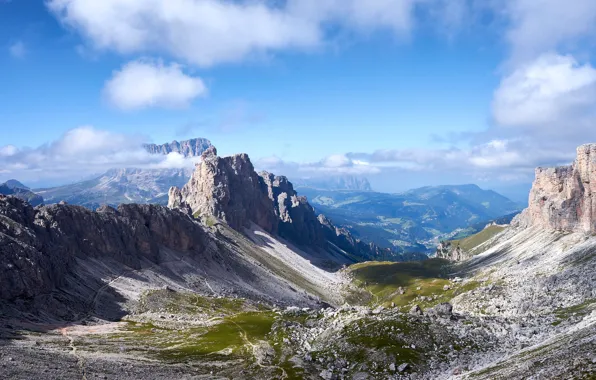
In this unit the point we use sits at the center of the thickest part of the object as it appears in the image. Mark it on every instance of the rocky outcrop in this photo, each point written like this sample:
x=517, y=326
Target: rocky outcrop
x=229, y=189
x=38, y=246
x=564, y=198
x=188, y=148
x=297, y=220
x=449, y=251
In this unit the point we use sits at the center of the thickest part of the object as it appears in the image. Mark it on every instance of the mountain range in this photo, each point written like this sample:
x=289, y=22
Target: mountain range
x=238, y=278
x=414, y=220
x=130, y=185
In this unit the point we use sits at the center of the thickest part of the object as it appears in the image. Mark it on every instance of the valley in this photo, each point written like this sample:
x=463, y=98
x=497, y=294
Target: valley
x=212, y=288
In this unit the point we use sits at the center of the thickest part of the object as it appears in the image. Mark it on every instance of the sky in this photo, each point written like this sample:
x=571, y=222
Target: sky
x=405, y=92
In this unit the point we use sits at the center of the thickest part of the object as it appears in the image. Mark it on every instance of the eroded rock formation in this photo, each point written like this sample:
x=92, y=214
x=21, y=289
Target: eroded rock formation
x=564, y=198
x=229, y=189
x=39, y=245
x=188, y=148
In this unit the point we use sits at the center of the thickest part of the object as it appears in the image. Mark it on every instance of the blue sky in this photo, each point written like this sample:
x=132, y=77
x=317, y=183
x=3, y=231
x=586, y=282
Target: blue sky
x=406, y=92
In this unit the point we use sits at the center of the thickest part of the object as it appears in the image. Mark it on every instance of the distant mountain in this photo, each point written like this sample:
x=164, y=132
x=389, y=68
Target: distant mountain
x=119, y=186
x=17, y=189
x=14, y=184
x=414, y=220
x=346, y=182
x=188, y=148
x=130, y=185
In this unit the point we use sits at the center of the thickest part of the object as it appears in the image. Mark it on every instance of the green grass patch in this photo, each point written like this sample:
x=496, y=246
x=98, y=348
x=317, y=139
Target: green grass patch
x=404, y=284
x=471, y=242
x=234, y=334
x=579, y=310
x=191, y=303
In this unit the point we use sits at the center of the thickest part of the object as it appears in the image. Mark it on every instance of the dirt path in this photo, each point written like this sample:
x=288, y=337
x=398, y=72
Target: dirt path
x=71, y=344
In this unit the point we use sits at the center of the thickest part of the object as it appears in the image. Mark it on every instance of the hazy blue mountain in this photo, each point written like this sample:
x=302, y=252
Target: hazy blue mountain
x=414, y=220
x=345, y=182
x=17, y=189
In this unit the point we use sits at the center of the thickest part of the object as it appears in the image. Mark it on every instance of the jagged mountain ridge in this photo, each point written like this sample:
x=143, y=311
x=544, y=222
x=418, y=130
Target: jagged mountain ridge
x=229, y=189
x=188, y=148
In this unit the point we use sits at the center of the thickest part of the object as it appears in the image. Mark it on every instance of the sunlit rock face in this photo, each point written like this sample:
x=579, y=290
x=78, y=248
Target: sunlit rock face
x=564, y=198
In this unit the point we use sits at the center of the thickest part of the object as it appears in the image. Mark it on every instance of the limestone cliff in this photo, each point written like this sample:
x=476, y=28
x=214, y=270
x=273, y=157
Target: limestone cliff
x=229, y=189
x=38, y=246
x=564, y=198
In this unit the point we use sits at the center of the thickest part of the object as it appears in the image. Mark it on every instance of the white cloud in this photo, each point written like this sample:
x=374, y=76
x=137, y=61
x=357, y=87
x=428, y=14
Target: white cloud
x=332, y=165
x=201, y=32
x=81, y=152
x=209, y=32
x=17, y=49
x=538, y=26
x=550, y=90
x=143, y=83
x=8, y=150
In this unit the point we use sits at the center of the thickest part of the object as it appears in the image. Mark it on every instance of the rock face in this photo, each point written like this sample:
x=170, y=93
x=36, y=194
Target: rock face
x=297, y=220
x=229, y=189
x=343, y=239
x=39, y=246
x=446, y=250
x=188, y=148
x=564, y=198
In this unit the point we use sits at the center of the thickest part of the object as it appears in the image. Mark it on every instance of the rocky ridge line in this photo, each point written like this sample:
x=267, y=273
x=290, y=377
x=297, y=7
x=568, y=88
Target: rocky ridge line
x=187, y=148
x=229, y=189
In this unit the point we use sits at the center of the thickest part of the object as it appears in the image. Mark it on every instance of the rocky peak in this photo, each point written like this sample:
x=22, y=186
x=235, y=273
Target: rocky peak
x=564, y=198
x=188, y=148
x=227, y=188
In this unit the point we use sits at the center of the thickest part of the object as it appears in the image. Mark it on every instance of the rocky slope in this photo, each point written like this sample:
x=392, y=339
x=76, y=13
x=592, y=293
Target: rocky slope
x=564, y=198
x=60, y=257
x=229, y=189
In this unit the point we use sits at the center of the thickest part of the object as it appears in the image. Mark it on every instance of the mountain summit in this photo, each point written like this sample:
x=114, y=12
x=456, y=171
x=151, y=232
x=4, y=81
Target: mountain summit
x=188, y=148
x=229, y=189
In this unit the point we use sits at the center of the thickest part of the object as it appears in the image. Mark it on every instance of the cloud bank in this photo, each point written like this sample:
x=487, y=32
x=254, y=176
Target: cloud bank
x=80, y=153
